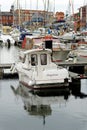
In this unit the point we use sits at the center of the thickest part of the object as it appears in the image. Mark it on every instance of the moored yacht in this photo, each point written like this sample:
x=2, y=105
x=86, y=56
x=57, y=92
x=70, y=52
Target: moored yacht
x=80, y=53
x=37, y=71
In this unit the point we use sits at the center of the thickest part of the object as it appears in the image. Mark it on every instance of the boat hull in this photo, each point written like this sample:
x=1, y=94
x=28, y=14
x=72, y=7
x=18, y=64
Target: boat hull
x=60, y=55
x=54, y=78
x=80, y=55
x=45, y=86
x=82, y=58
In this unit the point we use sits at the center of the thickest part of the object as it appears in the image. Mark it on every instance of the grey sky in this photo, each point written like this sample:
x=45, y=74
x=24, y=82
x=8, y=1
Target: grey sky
x=60, y=5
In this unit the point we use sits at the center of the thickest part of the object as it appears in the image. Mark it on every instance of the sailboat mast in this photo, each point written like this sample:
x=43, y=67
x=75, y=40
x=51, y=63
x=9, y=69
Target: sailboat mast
x=47, y=5
x=0, y=17
x=18, y=7
x=37, y=12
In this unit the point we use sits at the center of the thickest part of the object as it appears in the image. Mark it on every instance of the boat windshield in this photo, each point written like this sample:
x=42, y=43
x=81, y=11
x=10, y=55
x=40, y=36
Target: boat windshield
x=43, y=58
x=33, y=59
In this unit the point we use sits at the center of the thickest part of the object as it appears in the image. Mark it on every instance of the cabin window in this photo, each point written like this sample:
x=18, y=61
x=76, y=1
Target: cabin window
x=33, y=59
x=43, y=58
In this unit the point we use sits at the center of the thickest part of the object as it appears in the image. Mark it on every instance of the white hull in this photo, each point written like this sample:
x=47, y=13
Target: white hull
x=40, y=83
x=80, y=54
x=82, y=58
x=4, y=40
x=59, y=56
x=45, y=86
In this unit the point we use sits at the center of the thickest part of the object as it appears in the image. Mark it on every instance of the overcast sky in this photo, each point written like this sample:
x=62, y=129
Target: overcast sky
x=60, y=5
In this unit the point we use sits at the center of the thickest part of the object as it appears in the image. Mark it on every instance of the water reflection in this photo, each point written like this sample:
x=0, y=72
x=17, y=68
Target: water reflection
x=9, y=55
x=38, y=103
x=78, y=89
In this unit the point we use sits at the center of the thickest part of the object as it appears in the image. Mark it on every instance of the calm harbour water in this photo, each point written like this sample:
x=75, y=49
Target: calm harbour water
x=23, y=110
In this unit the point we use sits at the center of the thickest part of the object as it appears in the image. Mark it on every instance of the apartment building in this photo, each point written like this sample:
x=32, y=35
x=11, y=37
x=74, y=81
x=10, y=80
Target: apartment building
x=6, y=18
x=18, y=17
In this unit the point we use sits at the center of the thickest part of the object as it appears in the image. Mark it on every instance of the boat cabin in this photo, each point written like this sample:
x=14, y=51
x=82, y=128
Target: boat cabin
x=37, y=57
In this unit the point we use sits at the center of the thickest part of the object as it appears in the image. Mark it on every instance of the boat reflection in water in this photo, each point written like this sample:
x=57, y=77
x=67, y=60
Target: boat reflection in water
x=76, y=88
x=39, y=103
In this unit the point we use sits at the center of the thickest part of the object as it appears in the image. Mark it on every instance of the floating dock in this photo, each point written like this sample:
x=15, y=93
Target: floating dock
x=6, y=66
x=77, y=67
x=5, y=71
x=70, y=63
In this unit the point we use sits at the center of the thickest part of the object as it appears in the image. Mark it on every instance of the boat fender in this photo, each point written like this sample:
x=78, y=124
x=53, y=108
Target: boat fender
x=31, y=82
x=66, y=80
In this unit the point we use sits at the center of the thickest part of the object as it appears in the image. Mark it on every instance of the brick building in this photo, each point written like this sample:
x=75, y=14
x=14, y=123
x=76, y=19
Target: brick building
x=6, y=18
x=21, y=16
x=17, y=17
x=83, y=16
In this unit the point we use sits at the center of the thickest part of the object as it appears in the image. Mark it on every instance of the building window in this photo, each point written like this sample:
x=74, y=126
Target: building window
x=3, y=18
x=10, y=17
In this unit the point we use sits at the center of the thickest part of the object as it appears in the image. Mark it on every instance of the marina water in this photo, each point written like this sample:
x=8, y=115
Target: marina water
x=26, y=110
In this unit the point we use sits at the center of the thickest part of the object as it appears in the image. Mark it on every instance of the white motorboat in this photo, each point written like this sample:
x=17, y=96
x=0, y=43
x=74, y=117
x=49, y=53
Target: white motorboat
x=79, y=54
x=38, y=71
x=68, y=36
x=5, y=38
x=15, y=34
